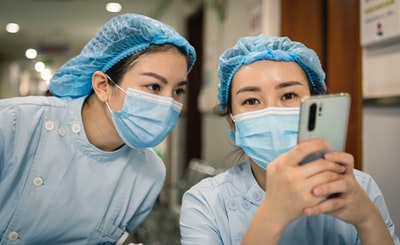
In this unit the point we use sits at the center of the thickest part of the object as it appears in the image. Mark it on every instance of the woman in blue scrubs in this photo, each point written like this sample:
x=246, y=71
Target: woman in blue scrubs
x=270, y=198
x=78, y=167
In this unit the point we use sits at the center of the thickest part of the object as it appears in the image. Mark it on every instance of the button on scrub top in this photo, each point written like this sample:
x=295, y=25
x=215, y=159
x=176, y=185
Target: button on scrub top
x=57, y=188
x=219, y=210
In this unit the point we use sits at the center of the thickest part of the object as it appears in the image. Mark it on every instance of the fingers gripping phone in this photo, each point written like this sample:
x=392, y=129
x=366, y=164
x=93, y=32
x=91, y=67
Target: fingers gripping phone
x=326, y=117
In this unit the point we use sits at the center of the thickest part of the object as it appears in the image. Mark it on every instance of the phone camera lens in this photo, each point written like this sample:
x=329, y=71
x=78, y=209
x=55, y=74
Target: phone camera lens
x=312, y=117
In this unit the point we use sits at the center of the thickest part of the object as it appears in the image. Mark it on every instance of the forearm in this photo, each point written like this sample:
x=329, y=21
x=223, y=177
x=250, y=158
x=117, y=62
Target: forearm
x=374, y=230
x=266, y=227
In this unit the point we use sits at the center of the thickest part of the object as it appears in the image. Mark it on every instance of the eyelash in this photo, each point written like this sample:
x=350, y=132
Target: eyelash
x=253, y=101
x=292, y=94
x=180, y=91
x=154, y=87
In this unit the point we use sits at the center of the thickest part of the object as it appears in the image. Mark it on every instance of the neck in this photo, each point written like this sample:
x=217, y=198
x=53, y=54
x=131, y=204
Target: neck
x=98, y=124
x=259, y=174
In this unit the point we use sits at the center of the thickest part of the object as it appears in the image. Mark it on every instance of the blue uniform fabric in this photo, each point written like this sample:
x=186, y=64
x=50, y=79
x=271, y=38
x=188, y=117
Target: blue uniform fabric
x=57, y=188
x=218, y=210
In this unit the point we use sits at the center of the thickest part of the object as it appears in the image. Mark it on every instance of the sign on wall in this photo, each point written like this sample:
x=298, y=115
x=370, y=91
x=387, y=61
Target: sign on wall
x=380, y=21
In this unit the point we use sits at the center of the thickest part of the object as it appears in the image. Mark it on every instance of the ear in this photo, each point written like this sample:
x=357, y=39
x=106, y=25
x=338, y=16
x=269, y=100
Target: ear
x=231, y=123
x=100, y=85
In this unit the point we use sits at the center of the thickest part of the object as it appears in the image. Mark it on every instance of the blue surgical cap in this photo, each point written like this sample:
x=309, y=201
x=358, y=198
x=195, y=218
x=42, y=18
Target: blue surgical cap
x=119, y=38
x=253, y=48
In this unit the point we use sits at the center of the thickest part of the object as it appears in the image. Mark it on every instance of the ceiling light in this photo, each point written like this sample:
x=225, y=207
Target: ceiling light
x=12, y=27
x=40, y=66
x=113, y=7
x=45, y=74
x=31, y=53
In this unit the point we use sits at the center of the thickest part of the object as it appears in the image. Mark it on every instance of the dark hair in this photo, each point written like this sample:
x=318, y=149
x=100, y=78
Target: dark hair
x=117, y=71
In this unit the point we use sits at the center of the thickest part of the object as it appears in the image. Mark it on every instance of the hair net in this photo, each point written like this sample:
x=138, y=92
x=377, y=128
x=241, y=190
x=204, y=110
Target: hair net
x=119, y=38
x=250, y=49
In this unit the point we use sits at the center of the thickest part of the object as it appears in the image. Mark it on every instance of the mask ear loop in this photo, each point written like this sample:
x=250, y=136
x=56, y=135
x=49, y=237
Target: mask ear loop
x=109, y=108
x=116, y=85
x=231, y=122
x=231, y=117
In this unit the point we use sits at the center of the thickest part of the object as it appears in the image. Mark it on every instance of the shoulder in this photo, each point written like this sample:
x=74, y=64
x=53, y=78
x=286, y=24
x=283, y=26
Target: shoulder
x=30, y=104
x=368, y=184
x=34, y=109
x=230, y=182
x=225, y=178
x=20, y=110
x=33, y=100
x=364, y=179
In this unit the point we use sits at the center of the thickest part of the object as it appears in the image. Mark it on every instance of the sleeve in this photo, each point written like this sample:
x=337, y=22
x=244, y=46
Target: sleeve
x=375, y=194
x=197, y=221
x=8, y=120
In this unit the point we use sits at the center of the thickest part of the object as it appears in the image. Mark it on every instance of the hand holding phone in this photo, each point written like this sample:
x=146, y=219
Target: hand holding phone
x=324, y=117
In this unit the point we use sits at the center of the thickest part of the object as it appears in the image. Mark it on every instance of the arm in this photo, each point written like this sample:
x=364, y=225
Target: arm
x=373, y=229
x=289, y=190
x=7, y=135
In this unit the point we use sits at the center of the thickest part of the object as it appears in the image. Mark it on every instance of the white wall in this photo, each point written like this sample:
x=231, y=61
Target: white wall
x=381, y=131
x=381, y=134
x=380, y=70
x=219, y=34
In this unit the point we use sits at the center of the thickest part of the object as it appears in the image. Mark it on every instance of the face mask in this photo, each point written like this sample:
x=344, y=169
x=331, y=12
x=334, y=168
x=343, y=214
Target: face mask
x=266, y=134
x=145, y=119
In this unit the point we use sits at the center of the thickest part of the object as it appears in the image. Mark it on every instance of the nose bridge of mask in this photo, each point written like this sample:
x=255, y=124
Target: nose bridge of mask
x=266, y=111
x=281, y=113
x=157, y=99
x=177, y=106
x=274, y=122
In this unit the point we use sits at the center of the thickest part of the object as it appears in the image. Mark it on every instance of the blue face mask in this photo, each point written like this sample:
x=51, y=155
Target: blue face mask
x=145, y=119
x=266, y=134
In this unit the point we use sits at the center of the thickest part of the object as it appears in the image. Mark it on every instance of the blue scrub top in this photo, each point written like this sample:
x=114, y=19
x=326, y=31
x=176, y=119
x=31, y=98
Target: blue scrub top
x=57, y=188
x=218, y=210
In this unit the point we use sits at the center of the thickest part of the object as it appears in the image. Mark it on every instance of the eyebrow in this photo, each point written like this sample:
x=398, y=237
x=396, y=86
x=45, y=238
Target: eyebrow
x=248, y=89
x=279, y=86
x=161, y=78
x=288, y=84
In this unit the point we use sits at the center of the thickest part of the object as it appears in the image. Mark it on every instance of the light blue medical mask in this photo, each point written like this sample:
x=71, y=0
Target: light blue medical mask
x=145, y=119
x=266, y=134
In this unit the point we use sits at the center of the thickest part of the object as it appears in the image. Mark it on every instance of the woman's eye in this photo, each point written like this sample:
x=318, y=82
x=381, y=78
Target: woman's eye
x=180, y=91
x=154, y=87
x=251, y=101
x=289, y=96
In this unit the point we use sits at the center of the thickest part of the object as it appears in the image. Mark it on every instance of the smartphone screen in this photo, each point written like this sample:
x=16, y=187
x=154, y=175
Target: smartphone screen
x=326, y=117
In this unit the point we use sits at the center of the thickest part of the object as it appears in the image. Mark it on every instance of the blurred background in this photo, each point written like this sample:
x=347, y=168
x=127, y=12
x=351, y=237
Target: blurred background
x=358, y=42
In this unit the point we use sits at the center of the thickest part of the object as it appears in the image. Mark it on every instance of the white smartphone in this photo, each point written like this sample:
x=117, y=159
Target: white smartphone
x=326, y=117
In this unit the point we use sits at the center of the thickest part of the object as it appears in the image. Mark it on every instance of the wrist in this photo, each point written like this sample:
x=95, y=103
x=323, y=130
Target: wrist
x=369, y=221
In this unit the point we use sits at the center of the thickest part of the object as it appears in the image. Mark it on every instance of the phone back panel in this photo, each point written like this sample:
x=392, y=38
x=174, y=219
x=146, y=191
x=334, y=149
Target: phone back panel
x=326, y=117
